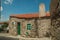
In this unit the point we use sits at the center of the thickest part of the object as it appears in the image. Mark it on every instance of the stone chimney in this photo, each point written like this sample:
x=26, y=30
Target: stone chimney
x=42, y=10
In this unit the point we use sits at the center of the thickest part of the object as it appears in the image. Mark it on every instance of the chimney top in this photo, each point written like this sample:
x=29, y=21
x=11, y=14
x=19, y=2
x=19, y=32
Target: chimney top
x=42, y=9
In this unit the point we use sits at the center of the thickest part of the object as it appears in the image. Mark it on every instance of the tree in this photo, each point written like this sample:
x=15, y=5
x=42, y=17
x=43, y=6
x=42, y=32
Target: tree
x=5, y=25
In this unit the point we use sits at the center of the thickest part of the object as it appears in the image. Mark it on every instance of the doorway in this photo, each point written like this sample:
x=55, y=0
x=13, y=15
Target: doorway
x=18, y=28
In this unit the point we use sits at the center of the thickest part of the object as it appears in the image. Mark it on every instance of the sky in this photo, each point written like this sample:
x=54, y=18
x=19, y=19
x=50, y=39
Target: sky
x=9, y=7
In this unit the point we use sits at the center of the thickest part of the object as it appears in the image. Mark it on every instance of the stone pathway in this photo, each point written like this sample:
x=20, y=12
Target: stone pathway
x=6, y=36
x=45, y=38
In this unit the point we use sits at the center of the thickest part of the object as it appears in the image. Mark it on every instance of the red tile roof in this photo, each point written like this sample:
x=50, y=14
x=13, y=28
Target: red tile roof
x=35, y=15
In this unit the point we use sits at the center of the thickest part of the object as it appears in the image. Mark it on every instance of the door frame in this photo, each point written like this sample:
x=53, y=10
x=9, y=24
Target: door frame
x=18, y=28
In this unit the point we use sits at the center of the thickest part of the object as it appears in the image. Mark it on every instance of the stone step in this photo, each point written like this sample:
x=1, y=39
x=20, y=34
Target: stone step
x=35, y=39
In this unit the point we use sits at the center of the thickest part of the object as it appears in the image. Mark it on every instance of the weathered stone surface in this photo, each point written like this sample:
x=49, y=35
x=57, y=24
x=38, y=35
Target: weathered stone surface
x=44, y=27
x=55, y=19
x=13, y=27
x=55, y=30
x=32, y=32
x=40, y=27
x=35, y=38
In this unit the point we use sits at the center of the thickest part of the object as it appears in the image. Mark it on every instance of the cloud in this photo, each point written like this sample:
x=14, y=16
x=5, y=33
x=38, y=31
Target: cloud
x=8, y=1
x=1, y=8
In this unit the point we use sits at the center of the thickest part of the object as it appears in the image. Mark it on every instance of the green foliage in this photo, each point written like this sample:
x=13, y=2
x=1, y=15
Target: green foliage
x=27, y=33
x=5, y=25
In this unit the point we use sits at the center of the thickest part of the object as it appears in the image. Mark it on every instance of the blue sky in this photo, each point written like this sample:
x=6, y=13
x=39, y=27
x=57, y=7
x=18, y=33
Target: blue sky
x=21, y=7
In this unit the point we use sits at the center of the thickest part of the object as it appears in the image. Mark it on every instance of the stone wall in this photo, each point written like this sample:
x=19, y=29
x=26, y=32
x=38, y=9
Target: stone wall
x=13, y=27
x=40, y=27
x=44, y=27
x=55, y=19
x=55, y=29
x=32, y=32
x=23, y=22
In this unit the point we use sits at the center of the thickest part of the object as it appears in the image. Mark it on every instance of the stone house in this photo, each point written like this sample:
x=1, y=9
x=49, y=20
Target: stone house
x=30, y=25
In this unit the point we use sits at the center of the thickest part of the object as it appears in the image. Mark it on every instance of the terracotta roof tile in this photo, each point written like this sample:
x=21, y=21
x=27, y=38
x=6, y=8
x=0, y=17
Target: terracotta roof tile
x=34, y=15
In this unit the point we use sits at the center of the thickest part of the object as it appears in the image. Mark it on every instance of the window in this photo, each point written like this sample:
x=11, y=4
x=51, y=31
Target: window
x=13, y=23
x=28, y=26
